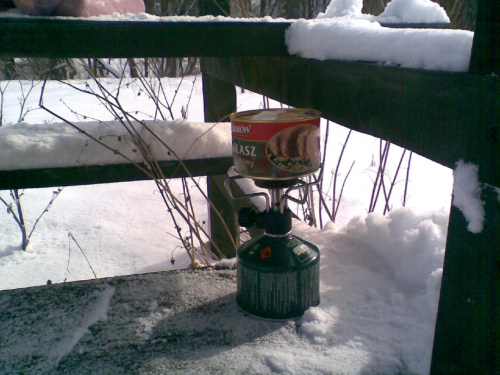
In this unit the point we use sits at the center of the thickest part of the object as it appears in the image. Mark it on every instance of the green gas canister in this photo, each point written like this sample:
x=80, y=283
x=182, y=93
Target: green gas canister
x=278, y=277
x=277, y=272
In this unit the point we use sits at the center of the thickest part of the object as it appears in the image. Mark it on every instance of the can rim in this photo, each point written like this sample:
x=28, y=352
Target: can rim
x=271, y=178
x=314, y=115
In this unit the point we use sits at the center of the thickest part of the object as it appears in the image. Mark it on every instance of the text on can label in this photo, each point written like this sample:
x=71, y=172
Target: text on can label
x=244, y=150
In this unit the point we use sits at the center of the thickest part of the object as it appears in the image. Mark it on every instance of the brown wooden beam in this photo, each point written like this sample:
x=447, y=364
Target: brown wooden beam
x=442, y=116
x=55, y=37
x=485, y=57
x=100, y=174
x=467, y=336
x=219, y=99
x=52, y=37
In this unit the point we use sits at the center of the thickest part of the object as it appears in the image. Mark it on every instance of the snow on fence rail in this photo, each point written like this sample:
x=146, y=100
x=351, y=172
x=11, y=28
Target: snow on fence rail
x=60, y=154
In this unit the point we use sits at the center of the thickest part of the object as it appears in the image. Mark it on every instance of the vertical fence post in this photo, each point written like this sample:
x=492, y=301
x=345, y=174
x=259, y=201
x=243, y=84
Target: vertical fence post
x=219, y=99
x=467, y=336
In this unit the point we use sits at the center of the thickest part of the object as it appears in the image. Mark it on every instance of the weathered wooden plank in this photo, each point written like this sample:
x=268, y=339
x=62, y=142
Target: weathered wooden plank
x=52, y=37
x=219, y=101
x=442, y=116
x=467, y=337
x=485, y=58
x=99, y=174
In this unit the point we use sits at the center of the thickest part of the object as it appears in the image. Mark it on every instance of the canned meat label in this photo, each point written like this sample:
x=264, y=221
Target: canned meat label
x=276, y=143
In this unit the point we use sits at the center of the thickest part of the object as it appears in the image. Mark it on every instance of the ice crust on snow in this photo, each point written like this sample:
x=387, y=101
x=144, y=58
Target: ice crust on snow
x=467, y=195
x=97, y=313
x=26, y=146
x=367, y=322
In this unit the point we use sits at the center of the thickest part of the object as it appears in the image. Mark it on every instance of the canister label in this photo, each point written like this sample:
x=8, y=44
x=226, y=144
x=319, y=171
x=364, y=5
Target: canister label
x=276, y=143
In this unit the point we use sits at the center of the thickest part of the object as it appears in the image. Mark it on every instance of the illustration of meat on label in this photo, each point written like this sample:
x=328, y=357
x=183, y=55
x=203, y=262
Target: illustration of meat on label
x=295, y=149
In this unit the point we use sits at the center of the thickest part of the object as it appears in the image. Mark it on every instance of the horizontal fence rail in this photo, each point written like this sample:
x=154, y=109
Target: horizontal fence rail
x=436, y=114
x=100, y=174
x=52, y=37
x=167, y=37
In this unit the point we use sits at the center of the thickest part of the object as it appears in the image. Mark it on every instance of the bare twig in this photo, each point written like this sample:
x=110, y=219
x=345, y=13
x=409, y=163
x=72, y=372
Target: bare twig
x=71, y=237
x=378, y=183
x=393, y=182
x=342, y=190
x=55, y=194
x=407, y=179
x=17, y=214
x=2, y=98
x=23, y=99
x=334, y=202
x=321, y=202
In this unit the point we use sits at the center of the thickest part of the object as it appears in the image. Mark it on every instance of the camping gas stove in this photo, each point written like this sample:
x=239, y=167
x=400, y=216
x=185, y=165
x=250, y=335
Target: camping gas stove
x=277, y=272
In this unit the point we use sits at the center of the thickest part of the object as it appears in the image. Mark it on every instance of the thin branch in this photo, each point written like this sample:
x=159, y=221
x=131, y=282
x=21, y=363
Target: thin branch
x=320, y=186
x=337, y=171
x=55, y=194
x=407, y=179
x=380, y=175
x=22, y=225
x=71, y=237
x=393, y=182
x=342, y=190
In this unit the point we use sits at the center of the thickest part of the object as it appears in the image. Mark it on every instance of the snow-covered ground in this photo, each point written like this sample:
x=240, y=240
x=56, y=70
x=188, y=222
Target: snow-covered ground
x=380, y=275
x=381, y=272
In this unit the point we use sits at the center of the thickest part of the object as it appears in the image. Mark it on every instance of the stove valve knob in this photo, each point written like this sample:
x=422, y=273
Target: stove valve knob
x=246, y=217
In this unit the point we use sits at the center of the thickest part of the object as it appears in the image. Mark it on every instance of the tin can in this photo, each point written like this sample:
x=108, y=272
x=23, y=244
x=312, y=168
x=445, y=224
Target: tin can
x=276, y=144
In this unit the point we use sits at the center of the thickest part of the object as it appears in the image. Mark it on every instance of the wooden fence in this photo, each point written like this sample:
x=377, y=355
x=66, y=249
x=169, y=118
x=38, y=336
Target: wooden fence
x=443, y=116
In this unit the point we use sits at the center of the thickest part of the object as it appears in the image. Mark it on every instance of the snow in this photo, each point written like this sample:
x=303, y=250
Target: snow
x=26, y=146
x=396, y=11
x=226, y=263
x=343, y=33
x=362, y=40
x=342, y=8
x=467, y=195
x=413, y=11
x=97, y=313
x=383, y=269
